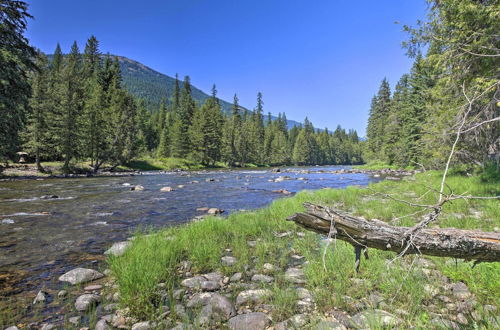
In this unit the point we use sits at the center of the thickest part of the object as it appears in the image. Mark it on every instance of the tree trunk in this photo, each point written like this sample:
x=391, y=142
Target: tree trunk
x=448, y=242
x=39, y=166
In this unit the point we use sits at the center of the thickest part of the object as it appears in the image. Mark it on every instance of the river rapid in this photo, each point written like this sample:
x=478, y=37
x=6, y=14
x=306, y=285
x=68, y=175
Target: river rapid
x=49, y=226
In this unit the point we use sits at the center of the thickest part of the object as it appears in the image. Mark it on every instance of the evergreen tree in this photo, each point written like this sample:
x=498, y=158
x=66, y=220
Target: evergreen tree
x=36, y=130
x=71, y=106
x=379, y=112
x=180, y=136
x=231, y=135
x=16, y=60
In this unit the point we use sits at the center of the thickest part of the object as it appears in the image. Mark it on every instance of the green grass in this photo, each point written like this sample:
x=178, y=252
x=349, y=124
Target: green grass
x=155, y=258
x=380, y=165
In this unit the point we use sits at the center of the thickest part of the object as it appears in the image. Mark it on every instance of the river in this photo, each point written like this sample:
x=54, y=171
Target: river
x=41, y=237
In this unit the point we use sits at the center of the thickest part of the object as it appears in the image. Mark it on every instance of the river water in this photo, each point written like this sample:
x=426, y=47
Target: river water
x=42, y=238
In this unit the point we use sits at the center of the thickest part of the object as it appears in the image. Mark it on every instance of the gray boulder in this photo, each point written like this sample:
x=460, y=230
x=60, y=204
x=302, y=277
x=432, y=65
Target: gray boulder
x=86, y=301
x=250, y=321
x=80, y=275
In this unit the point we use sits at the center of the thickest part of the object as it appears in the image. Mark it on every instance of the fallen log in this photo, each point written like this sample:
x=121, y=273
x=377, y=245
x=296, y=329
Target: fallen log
x=362, y=234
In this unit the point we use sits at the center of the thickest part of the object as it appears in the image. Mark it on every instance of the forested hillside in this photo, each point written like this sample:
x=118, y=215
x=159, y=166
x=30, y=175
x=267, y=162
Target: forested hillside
x=152, y=86
x=100, y=110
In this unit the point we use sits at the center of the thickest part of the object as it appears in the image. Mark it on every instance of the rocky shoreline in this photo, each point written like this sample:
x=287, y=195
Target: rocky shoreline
x=28, y=173
x=240, y=300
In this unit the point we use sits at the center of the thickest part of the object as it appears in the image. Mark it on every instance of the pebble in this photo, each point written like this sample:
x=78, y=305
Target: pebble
x=262, y=278
x=295, y=275
x=228, y=261
x=62, y=294
x=236, y=277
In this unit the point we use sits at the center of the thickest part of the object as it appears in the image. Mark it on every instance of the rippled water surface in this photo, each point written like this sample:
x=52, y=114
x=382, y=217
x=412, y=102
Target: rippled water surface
x=42, y=237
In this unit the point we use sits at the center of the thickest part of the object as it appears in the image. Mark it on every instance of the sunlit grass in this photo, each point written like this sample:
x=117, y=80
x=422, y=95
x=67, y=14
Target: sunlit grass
x=154, y=258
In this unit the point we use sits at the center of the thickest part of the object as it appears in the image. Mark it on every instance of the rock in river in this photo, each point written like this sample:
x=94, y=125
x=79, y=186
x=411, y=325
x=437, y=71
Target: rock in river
x=86, y=301
x=40, y=298
x=80, y=275
x=166, y=189
x=254, y=321
x=215, y=210
x=117, y=249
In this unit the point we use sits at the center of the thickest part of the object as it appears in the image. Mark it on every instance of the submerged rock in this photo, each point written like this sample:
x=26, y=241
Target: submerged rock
x=167, y=189
x=80, y=275
x=137, y=188
x=118, y=249
x=253, y=321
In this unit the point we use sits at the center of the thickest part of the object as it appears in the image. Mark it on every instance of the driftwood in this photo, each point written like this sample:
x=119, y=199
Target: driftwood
x=363, y=234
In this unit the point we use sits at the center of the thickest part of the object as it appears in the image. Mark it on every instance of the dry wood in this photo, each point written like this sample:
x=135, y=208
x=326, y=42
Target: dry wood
x=447, y=242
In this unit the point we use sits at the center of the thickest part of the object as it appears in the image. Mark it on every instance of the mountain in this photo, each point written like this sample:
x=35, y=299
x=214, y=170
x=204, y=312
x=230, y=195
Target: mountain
x=150, y=85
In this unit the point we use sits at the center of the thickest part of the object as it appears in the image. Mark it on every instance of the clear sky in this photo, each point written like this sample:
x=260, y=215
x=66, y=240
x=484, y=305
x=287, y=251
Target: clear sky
x=318, y=58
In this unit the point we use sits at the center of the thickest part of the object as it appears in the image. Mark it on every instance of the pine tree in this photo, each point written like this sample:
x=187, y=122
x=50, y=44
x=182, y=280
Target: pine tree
x=181, y=145
x=205, y=132
x=16, y=60
x=377, y=120
x=71, y=106
x=231, y=135
x=36, y=130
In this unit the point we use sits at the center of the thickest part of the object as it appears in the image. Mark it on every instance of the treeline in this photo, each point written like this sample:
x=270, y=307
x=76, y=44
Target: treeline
x=78, y=110
x=182, y=129
x=454, y=85
x=73, y=107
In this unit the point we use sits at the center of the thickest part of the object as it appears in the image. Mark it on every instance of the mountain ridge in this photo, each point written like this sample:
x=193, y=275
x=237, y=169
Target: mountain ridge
x=146, y=83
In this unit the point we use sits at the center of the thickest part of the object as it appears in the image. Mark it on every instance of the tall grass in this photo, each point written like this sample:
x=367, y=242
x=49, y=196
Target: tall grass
x=154, y=258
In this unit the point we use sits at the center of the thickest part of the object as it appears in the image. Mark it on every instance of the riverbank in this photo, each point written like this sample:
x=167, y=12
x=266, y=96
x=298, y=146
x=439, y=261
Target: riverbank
x=285, y=266
x=256, y=268
x=146, y=164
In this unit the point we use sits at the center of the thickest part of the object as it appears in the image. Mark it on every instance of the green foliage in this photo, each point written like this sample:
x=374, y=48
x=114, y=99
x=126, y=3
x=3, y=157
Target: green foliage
x=461, y=64
x=154, y=258
x=16, y=60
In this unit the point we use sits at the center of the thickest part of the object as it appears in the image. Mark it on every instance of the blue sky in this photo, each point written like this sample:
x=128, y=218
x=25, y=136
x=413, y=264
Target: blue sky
x=323, y=59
